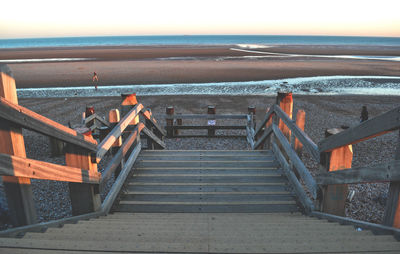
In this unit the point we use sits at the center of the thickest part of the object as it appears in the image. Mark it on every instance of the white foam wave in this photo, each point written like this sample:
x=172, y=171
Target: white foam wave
x=253, y=46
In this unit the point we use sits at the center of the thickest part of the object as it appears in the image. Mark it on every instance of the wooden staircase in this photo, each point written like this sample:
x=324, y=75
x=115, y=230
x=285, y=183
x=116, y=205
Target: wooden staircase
x=201, y=233
x=207, y=181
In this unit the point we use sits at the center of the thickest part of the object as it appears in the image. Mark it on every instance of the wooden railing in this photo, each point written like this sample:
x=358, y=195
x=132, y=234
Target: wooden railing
x=174, y=123
x=331, y=153
x=82, y=155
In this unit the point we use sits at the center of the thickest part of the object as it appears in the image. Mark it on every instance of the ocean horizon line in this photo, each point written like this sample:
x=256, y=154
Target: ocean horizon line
x=140, y=40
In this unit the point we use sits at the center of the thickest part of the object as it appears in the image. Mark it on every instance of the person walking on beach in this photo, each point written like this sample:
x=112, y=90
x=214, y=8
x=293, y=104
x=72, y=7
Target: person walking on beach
x=95, y=79
x=364, y=114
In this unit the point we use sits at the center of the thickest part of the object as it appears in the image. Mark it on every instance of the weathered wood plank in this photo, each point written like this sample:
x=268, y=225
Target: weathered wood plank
x=210, y=179
x=95, y=116
x=18, y=190
x=206, y=116
x=116, y=160
x=119, y=182
x=23, y=167
x=305, y=201
x=379, y=173
x=261, y=140
x=208, y=189
x=311, y=147
x=33, y=121
x=207, y=136
x=206, y=127
x=155, y=139
x=264, y=122
x=148, y=115
x=297, y=163
x=377, y=126
x=116, y=132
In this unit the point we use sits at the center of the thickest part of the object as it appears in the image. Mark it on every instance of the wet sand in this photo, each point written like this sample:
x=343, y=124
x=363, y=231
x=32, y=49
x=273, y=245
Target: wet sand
x=190, y=64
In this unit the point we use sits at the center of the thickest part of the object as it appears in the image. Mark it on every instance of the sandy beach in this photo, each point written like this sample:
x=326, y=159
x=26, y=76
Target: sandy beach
x=191, y=64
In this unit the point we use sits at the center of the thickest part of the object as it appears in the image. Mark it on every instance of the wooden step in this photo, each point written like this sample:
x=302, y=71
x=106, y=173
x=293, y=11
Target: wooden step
x=209, y=179
x=174, y=157
x=206, y=164
x=207, y=152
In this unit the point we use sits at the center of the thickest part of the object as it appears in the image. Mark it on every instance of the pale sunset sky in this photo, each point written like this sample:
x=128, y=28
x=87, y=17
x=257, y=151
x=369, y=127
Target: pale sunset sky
x=50, y=18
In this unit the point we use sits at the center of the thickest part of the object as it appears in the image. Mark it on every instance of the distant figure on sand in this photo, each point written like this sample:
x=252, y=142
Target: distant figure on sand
x=364, y=114
x=95, y=78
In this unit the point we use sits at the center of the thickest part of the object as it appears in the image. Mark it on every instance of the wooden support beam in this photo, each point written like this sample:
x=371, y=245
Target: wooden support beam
x=207, y=127
x=267, y=118
x=383, y=172
x=149, y=116
x=169, y=122
x=115, y=163
x=392, y=212
x=150, y=126
x=305, y=201
x=262, y=139
x=207, y=116
x=154, y=138
x=18, y=190
x=85, y=198
x=300, y=122
x=285, y=101
x=28, y=119
x=211, y=122
x=296, y=161
x=377, y=126
x=129, y=101
x=252, y=111
x=334, y=196
x=307, y=142
x=11, y=165
x=114, y=119
x=90, y=114
x=178, y=123
x=116, y=132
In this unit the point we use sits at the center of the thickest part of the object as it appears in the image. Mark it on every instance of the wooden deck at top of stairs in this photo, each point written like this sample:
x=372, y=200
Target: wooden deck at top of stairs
x=204, y=202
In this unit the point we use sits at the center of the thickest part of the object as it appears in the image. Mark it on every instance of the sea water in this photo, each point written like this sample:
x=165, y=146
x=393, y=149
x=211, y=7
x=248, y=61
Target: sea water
x=197, y=40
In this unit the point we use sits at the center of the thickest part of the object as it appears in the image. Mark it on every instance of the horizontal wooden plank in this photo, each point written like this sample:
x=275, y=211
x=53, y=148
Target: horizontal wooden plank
x=206, y=198
x=209, y=179
x=173, y=157
x=206, y=127
x=149, y=116
x=205, y=116
x=305, y=201
x=201, y=188
x=383, y=172
x=206, y=152
x=23, y=167
x=144, y=171
x=262, y=139
x=116, y=132
x=379, y=125
x=38, y=123
x=153, y=137
x=267, y=116
x=132, y=182
x=307, y=142
x=190, y=164
x=207, y=136
x=247, y=208
x=296, y=161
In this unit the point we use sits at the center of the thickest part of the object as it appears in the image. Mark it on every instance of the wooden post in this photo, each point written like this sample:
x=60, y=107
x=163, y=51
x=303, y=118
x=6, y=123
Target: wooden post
x=211, y=122
x=129, y=101
x=334, y=196
x=300, y=122
x=113, y=119
x=252, y=111
x=18, y=190
x=88, y=112
x=392, y=212
x=179, y=123
x=149, y=125
x=85, y=198
x=104, y=130
x=170, y=122
x=285, y=101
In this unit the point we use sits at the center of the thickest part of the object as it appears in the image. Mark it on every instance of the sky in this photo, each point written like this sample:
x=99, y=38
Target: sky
x=59, y=18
